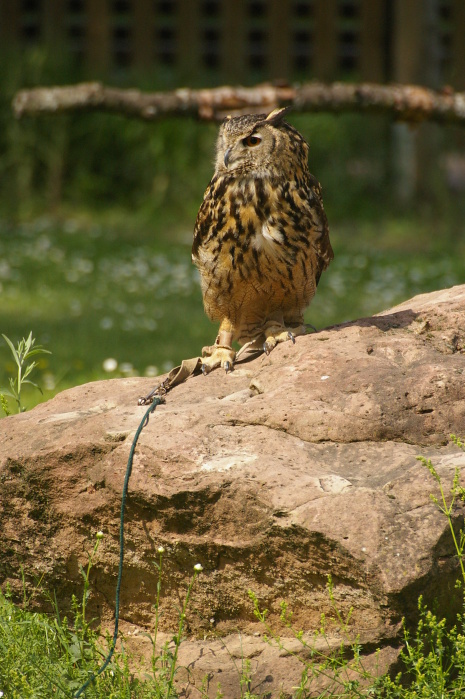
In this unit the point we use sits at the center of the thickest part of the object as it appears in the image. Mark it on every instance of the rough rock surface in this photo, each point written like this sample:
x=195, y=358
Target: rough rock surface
x=295, y=466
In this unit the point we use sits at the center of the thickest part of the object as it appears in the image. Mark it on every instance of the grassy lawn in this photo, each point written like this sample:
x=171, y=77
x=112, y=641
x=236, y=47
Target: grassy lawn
x=93, y=290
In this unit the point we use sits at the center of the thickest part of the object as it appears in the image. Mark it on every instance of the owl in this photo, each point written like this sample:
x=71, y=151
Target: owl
x=261, y=237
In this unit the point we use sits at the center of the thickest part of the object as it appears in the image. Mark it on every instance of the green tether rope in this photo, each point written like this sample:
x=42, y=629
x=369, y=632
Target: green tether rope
x=156, y=401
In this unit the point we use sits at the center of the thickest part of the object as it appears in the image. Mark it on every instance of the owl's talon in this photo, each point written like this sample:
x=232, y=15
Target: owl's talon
x=266, y=348
x=217, y=356
x=291, y=336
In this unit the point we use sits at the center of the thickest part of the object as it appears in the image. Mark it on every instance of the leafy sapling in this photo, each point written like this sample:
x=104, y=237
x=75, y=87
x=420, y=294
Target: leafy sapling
x=25, y=349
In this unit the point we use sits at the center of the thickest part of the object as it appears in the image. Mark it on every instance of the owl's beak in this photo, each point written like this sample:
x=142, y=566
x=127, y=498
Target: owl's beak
x=226, y=157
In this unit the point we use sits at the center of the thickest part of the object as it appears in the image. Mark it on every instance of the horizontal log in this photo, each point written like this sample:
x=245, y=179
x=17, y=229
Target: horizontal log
x=410, y=103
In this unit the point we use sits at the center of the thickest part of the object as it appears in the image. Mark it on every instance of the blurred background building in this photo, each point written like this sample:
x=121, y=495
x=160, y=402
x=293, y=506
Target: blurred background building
x=245, y=41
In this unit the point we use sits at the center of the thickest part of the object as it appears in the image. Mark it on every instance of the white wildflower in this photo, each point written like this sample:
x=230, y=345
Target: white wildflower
x=110, y=364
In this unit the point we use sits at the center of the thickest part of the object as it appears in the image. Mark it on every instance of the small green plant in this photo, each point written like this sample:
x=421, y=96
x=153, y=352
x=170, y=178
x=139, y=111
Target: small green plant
x=245, y=680
x=25, y=349
x=51, y=656
x=433, y=656
x=164, y=661
x=457, y=492
x=338, y=665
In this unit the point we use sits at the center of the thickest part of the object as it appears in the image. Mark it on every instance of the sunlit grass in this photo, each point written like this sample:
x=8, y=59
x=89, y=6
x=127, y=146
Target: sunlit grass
x=88, y=296
x=90, y=291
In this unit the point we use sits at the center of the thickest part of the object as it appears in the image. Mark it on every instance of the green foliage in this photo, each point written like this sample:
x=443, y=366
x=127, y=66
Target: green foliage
x=433, y=659
x=44, y=656
x=4, y=405
x=25, y=349
x=457, y=491
x=165, y=659
x=95, y=160
x=51, y=656
x=342, y=667
x=434, y=656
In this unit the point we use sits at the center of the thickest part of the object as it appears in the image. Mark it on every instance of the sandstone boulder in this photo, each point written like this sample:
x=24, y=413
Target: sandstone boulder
x=294, y=467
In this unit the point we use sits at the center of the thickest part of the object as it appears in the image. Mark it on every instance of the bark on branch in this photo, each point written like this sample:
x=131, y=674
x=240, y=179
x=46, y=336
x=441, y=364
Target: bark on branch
x=411, y=103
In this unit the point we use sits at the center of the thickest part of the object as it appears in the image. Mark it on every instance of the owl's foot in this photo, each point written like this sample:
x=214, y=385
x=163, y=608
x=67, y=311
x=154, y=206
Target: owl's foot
x=278, y=333
x=217, y=356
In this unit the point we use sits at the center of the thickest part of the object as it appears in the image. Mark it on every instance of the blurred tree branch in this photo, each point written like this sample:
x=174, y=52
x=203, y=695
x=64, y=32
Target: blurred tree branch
x=410, y=103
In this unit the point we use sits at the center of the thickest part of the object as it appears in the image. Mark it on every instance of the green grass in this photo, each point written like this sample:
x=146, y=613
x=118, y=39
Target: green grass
x=93, y=290
x=46, y=657
x=89, y=295
x=60, y=656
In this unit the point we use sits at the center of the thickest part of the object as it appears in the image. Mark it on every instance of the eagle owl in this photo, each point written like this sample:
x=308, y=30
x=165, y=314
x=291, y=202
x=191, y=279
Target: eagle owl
x=261, y=237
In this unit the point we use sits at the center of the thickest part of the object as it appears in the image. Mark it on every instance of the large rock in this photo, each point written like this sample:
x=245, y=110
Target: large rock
x=294, y=467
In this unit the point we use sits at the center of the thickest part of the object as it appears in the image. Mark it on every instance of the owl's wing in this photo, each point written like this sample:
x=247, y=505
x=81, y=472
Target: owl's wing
x=319, y=238
x=206, y=220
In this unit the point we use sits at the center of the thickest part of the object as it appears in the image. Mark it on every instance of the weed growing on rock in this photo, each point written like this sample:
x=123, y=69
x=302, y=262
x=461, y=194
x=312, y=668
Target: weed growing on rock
x=319, y=656
x=164, y=660
x=457, y=492
x=433, y=656
x=52, y=656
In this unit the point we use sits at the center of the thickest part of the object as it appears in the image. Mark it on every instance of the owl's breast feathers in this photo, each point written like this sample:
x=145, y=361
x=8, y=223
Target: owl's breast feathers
x=258, y=238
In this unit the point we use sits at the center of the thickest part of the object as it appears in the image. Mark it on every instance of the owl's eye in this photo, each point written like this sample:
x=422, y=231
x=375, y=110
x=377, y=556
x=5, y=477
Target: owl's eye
x=251, y=141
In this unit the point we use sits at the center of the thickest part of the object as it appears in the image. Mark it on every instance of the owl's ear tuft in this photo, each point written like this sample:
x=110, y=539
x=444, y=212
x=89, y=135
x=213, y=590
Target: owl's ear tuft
x=277, y=115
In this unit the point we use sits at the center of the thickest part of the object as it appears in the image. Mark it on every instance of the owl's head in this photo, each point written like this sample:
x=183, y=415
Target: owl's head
x=260, y=145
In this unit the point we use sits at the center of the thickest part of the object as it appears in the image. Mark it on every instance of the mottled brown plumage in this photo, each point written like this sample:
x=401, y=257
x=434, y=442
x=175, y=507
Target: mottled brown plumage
x=261, y=237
